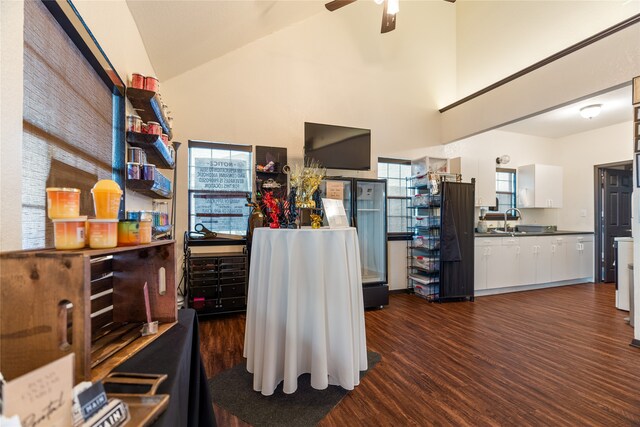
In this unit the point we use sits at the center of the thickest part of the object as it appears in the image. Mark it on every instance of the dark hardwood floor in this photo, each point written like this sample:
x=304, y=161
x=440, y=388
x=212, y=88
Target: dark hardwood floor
x=558, y=356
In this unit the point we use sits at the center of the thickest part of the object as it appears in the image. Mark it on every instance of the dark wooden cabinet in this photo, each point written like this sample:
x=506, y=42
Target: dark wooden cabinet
x=216, y=282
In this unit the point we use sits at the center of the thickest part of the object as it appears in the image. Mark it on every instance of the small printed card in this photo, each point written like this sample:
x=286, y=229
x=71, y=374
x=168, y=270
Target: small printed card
x=335, y=190
x=92, y=400
x=42, y=397
x=334, y=211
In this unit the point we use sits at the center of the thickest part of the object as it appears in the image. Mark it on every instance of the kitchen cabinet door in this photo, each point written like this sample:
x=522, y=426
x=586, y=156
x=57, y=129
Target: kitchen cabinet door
x=527, y=261
x=487, y=262
x=543, y=258
x=506, y=271
x=484, y=172
x=585, y=258
x=560, y=270
x=573, y=257
x=539, y=186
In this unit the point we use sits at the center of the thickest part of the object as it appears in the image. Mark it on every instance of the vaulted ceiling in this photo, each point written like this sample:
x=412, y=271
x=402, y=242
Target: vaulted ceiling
x=181, y=35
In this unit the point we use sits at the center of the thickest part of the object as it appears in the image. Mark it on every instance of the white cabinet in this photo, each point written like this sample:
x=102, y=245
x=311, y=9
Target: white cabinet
x=484, y=172
x=624, y=257
x=520, y=261
x=487, y=262
x=509, y=266
x=585, y=257
x=539, y=186
x=560, y=269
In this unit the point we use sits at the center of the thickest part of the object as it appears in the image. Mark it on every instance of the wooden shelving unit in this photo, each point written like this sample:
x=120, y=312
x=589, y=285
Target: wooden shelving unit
x=87, y=302
x=149, y=188
x=157, y=153
x=148, y=106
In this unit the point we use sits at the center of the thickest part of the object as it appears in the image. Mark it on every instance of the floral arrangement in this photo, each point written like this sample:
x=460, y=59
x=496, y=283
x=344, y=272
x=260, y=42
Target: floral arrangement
x=272, y=208
x=306, y=179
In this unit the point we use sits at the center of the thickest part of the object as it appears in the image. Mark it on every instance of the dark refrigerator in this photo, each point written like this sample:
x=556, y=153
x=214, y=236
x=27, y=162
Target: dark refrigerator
x=365, y=203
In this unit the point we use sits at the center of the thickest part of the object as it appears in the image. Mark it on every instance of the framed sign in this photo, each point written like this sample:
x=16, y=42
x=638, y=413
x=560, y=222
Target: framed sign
x=334, y=210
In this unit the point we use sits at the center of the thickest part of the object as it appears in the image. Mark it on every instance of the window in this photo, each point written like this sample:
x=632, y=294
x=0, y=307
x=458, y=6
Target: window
x=505, y=189
x=219, y=181
x=395, y=171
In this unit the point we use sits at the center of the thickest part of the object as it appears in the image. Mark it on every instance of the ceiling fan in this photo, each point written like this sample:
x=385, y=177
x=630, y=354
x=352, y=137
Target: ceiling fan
x=391, y=8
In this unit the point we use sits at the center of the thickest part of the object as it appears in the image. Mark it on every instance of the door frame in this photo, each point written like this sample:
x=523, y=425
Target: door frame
x=598, y=212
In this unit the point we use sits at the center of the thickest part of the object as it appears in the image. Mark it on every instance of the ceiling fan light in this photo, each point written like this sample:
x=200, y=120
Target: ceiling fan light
x=590, y=111
x=393, y=7
x=378, y=1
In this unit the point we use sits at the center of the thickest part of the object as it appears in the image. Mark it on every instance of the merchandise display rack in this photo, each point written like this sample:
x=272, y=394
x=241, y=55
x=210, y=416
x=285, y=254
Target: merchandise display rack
x=149, y=107
x=424, y=219
x=156, y=151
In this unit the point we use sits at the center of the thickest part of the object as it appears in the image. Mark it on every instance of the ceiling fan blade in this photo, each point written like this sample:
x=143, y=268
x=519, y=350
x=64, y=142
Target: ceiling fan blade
x=451, y=1
x=337, y=4
x=388, y=20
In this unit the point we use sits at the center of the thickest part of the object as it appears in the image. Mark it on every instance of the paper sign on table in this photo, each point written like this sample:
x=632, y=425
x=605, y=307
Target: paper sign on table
x=42, y=397
x=334, y=211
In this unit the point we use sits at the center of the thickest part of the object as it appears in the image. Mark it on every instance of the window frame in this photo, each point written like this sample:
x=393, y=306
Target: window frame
x=496, y=215
x=396, y=235
x=191, y=191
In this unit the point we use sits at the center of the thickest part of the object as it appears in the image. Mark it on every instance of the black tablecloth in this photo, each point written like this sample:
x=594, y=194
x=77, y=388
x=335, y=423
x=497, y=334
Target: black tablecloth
x=177, y=354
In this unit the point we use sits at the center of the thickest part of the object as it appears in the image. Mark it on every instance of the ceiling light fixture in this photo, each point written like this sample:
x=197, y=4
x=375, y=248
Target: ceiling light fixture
x=378, y=1
x=590, y=111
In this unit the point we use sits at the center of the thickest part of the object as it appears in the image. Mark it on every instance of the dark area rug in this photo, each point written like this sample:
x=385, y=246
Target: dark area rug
x=233, y=390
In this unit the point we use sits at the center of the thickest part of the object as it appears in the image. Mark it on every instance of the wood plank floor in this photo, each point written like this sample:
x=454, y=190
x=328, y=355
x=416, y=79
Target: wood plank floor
x=558, y=356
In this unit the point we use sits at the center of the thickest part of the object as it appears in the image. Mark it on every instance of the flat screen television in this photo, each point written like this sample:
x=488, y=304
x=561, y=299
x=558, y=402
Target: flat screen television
x=338, y=147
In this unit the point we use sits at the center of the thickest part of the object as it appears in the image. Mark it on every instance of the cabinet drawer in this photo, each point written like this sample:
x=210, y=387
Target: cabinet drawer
x=207, y=292
x=232, y=263
x=231, y=303
x=228, y=291
x=233, y=280
x=203, y=263
x=211, y=280
x=232, y=273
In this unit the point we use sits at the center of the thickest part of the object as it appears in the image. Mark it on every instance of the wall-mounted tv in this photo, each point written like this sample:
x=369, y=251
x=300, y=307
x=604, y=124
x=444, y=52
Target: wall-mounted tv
x=338, y=147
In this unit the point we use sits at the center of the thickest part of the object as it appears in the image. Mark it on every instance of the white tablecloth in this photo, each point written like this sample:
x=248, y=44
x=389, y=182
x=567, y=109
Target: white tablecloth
x=305, y=312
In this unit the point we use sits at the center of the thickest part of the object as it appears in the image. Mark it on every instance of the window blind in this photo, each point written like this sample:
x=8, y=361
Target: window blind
x=67, y=123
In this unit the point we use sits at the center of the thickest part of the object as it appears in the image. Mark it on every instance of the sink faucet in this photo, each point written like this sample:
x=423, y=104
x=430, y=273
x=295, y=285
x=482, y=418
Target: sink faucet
x=507, y=212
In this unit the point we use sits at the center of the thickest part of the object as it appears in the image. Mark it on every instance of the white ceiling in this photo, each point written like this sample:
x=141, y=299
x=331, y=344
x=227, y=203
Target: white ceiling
x=566, y=120
x=180, y=35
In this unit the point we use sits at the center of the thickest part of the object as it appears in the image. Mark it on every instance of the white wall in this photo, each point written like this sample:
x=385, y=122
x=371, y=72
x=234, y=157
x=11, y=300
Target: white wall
x=330, y=68
x=498, y=38
x=579, y=154
x=11, y=95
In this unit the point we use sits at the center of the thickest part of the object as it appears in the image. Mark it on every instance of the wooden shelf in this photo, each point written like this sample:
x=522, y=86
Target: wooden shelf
x=117, y=351
x=149, y=108
x=149, y=188
x=92, y=305
x=157, y=153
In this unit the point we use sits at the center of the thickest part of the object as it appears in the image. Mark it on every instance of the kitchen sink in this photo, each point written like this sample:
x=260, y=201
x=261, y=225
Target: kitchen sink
x=511, y=233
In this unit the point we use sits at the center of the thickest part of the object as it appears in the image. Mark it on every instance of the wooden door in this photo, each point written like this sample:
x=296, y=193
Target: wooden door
x=616, y=219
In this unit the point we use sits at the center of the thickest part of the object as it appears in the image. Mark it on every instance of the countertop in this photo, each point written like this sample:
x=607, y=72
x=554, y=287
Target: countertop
x=532, y=234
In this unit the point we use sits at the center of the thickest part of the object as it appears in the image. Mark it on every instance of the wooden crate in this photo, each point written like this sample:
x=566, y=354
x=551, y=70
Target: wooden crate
x=88, y=302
